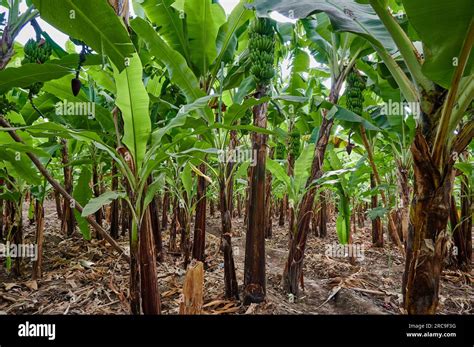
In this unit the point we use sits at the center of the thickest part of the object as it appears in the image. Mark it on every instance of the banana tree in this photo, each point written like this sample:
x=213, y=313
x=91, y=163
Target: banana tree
x=17, y=173
x=346, y=180
x=441, y=82
x=293, y=185
x=461, y=223
x=444, y=95
x=335, y=51
x=11, y=27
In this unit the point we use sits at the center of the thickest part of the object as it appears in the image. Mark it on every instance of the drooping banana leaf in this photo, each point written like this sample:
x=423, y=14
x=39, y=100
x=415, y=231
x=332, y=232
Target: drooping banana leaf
x=345, y=15
x=29, y=74
x=92, y=21
x=95, y=204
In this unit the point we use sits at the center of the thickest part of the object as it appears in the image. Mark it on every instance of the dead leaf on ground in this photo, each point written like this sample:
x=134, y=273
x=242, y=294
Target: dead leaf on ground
x=33, y=285
x=9, y=286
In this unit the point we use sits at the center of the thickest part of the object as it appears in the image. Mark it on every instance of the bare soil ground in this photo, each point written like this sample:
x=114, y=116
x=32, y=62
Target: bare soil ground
x=81, y=277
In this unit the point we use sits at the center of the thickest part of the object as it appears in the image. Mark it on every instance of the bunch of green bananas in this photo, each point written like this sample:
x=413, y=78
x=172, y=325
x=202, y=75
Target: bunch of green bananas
x=354, y=89
x=295, y=143
x=37, y=52
x=6, y=106
x=280, y=151
x=262, y=50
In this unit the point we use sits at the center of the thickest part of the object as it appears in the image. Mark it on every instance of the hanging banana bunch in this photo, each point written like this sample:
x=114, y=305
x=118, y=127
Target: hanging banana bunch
x=354, y=98
x=262, y=51
x=280, y=151
x=295, y=144
x=355, y=87
x=36, y=52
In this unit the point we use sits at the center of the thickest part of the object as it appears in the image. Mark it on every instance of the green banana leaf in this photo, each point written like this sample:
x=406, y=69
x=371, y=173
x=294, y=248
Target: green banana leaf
x=133, y=101
x=170, y=25
x=91, y=21
x=178, y=70
x=82, y=194
x=203, y=19
x=345, y=16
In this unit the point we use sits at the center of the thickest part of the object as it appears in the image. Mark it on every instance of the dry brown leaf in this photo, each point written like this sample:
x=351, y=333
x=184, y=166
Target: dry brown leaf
x=171, y=292
x=9, y=286
x=229, y=310
x=72, y=283
x=33, y=285
x=215, y=303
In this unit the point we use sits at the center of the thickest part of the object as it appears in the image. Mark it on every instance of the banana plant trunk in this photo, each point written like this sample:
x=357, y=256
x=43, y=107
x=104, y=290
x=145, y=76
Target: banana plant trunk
x=377, y=231
x=230, y=278
x=68, y=220
x=57, y=200
x=268, y=202
x=17, y=233
x=239, y=207
x=39, y=236
x=212, y=208
x=323, y=215
x=254, y=272
x=226, y=190
x=174, y=227
x=155, y=225
x=96, y=188
x=14, y=226
x=185, y=230
x=125, y=217
x=150, y=294
x=199, y=243
x=404, y=187
x=290, y=209
x=426, y=243
x=462, y=233
x=281, y=213
x=134, y=270
x=114, y=209
x=165, y=209
x=293, y=272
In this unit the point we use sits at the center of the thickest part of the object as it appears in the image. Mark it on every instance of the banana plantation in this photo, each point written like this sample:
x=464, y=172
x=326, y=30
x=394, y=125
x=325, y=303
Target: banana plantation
x=236, y=157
